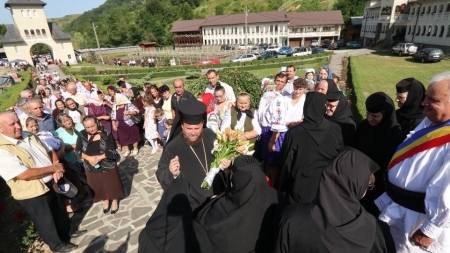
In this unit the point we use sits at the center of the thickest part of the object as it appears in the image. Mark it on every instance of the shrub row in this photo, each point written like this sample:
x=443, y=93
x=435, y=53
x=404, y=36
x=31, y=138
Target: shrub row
x=9, y=96
x=358, y=101
x=135, y=70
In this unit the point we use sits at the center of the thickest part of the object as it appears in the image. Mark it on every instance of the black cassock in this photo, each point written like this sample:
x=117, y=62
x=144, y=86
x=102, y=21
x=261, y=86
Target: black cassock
x=190, y=167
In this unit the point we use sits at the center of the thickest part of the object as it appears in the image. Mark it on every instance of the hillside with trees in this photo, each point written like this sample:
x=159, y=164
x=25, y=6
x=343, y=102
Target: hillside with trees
x=125, y=23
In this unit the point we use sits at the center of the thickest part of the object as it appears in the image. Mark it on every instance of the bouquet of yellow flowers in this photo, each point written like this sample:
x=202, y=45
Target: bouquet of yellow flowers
x=227, y=145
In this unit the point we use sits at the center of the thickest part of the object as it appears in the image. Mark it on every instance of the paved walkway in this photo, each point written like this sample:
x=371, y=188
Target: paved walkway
x=119, y=232
x=336, y=58
x=53, y=67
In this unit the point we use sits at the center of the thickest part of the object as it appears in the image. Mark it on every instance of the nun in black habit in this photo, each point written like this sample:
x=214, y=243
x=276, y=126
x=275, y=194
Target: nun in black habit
x=410, y=112
x=336, y=222
x=244, y=218
x=307, y=150
x=342, y=115
x=171, y=228
x=378, y=137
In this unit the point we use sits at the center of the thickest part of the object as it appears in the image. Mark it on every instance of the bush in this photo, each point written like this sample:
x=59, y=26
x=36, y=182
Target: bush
x=9, y=96
x=241, y=81
x=357, y=98
x=108, y=80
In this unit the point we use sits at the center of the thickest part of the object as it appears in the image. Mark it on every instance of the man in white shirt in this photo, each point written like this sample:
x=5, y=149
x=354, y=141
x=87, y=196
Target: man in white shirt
x=416, y=203
x=213, y=79
x=29, y=168
x=289, y=88
x=79, y=97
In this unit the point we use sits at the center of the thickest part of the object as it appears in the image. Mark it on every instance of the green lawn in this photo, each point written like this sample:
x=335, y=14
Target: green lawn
x=380, y=73
x=373, y=73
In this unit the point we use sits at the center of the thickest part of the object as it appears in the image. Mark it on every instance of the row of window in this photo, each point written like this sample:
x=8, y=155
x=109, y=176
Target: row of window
x=239, y=30
x=428, y=31
x=29, y=13
x=240, y=41
x=424, y=10
x=35, y=33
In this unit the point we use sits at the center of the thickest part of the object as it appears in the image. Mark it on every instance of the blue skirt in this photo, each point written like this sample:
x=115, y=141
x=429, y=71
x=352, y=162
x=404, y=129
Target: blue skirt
x=271, y=158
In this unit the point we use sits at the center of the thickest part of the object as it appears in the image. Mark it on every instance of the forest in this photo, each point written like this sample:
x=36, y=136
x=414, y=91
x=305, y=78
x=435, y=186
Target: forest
x=127, y=23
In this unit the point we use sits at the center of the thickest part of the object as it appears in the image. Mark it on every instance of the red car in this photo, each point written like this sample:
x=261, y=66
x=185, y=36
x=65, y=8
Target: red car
x=207, y=62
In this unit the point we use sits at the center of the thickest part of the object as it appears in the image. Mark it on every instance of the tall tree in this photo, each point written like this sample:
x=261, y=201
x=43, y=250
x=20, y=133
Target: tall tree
x=349, y=8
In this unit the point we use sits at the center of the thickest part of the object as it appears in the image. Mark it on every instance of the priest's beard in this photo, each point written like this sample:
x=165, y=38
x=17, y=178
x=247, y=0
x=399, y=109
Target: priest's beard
x=190, y=142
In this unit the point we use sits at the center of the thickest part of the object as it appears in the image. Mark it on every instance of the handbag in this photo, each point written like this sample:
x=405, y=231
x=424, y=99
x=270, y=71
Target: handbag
x=136, y=118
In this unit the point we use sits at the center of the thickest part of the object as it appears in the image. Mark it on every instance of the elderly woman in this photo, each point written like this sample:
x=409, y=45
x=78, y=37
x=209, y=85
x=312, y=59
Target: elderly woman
x=336, y=221
x=68, y=133
x=96, y=147
x=325, y=72
x=98, y=109
x=243, y=118
x=74, y=110
x=164, y=90
x=127, y=130
x=60, y=106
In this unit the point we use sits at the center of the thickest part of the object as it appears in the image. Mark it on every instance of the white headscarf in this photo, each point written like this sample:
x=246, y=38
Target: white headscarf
x=120, y=100
x=93, y=99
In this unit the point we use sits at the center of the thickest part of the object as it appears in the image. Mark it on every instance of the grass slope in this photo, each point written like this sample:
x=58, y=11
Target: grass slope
x=63, y=21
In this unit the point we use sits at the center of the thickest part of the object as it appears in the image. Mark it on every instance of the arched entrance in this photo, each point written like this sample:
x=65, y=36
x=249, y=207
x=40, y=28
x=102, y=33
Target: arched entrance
x=41, y=53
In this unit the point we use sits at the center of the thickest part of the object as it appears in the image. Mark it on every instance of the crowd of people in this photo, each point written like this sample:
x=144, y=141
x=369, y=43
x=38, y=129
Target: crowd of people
x=317, y=182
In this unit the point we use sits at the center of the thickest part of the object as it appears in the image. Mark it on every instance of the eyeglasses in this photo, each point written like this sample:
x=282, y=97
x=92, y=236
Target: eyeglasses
x=370, y=187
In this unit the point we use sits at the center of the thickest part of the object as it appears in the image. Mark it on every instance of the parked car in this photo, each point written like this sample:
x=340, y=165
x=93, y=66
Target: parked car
x=338, y=44
x=353, y=44
x=243, y=46
x=285, y=50
x=243, y=58
x=404, y=49
x=429, y=55
x=317, y=50
x=226, y=47
x=257, y=50
x=207, y=62
x=273, y=48
x=268, y=55
x=300, y=51
x=264, y=46
x=314, y=43
x=326, y=43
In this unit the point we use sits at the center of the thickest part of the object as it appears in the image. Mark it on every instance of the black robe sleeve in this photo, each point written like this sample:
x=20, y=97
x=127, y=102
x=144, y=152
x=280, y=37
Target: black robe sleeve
x=165, y=178
x=288, y=155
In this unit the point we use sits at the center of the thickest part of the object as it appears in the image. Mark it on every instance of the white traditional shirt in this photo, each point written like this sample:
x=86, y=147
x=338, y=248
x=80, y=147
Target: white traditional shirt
x=427, y=172
x=297, y=109
x=228, y=91
x=274, y=111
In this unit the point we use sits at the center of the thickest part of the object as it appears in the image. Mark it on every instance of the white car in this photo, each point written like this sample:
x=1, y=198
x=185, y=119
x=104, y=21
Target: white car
x=243, y=46
x=301, y=51
x=273, y=48
x=404, y=49
x=244, y=58
x=314, y=43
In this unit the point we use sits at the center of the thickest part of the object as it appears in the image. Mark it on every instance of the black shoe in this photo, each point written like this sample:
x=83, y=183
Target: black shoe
x=78, y=233
x=67, y=247
x=115, y=211
x=105, y=211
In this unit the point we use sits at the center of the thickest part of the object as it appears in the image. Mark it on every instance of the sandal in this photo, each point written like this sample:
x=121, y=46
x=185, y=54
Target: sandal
x=135, y=152
x=127, y=153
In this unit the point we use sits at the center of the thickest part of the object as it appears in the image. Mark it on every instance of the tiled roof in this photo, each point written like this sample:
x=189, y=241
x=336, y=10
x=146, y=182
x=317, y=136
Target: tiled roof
x=23, y=2
x=294, y=19
x=316, y=18
x=12, y=34
x=56, y=33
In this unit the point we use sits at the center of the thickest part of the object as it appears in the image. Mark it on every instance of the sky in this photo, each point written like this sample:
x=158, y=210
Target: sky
x=55, y=8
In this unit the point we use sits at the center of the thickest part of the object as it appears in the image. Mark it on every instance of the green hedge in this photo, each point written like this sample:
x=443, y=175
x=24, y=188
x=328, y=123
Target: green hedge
x=9, y=96
x=357, y=98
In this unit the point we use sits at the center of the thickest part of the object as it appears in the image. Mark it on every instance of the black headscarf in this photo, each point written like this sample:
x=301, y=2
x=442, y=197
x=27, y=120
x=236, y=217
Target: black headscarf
x=332, y=87
x=171, y=227
x=412, y=108
x=343, y=223
x=238, y=218
x=314, y=111
x=381, y=102
x=343, y=109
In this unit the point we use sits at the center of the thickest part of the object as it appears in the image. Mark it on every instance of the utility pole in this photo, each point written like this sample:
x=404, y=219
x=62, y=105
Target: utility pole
x=98, y=43
x=246, y=26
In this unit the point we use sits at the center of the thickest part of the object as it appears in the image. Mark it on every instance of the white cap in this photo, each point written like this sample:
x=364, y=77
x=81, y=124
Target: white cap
x=310, y=71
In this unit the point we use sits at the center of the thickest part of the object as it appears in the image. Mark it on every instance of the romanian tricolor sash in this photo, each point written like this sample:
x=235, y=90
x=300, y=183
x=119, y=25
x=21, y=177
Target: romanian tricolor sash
x=422, y=140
